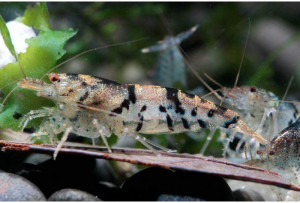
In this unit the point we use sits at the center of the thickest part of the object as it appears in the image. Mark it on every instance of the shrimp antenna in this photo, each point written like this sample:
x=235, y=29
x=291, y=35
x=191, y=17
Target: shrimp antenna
x=213, y=80
x=288, y=87
x=243, y=56
x=285, y=93
x=12, y=83
x=285, y=101
x=9, y=95
x=213, y=92
x=91, y=50
x=196, y=74
x=241, y=63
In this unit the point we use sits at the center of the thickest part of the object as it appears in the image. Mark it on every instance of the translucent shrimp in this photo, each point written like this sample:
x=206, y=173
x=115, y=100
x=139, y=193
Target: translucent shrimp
x=92, y=107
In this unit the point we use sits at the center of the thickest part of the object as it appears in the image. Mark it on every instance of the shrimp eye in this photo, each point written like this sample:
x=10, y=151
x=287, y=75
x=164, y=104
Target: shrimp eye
x=252, y=89
x=54, y=78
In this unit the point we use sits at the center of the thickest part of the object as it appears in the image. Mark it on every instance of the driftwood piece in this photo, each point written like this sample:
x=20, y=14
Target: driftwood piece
x=187, y=162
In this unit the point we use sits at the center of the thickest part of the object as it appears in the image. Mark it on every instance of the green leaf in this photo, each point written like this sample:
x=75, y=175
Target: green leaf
x=6, y=37
x=42, y=139
x=37, y=17
x=41, y=55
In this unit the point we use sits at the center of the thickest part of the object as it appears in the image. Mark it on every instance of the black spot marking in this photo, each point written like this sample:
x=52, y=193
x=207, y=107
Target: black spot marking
x=172, y=94
x=96, y=103
x=125, y=104
x=170, y=107
x=106, y=81
x=54, y=119
x=162, y=109
x=192, y=96
x=180, y=110
x=116, y=111
x=202, y=123
x=185, y=123
x=290, y=122
x=84, y=84
x=295, y=115
x=84, y=97
x=231, y=121
x=140, y=125
x=194, y=112
x=71, y=90
x=234, y=143
x=131, y=93
x=210, y=113
x=221, y=110
x=143, y=108
x=72, y=76
x=29, y=130
x=170, y=123
x=17, y=115
x=296, y=112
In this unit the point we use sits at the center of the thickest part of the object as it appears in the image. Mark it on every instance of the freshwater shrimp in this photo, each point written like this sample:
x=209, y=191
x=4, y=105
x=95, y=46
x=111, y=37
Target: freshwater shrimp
x=283, y=153
x=126, y=109
x=261, y=109
x=170, y=60
x=258, y=102
x=96, y=107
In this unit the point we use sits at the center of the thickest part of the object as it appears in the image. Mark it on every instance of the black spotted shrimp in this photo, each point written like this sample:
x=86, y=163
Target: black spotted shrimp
x=262, y=110
x=96, y=107
x=93, y=107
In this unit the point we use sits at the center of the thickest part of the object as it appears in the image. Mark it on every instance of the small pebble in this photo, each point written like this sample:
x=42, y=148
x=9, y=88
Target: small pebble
x=247, y=195
x=107, y=191
x=36, y=158
x=72, y=195
x=17, y=188
x=167, y=197
x=104, y=171
x=151, y=183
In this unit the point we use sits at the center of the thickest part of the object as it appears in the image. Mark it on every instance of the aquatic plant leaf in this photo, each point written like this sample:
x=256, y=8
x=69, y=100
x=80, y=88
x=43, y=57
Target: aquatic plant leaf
x=187, y=162
x=6, y=37
x=41, y=55
x=37, y=17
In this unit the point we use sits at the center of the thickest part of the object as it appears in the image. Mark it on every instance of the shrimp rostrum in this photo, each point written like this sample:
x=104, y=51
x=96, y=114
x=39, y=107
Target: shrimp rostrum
x=96, y=107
